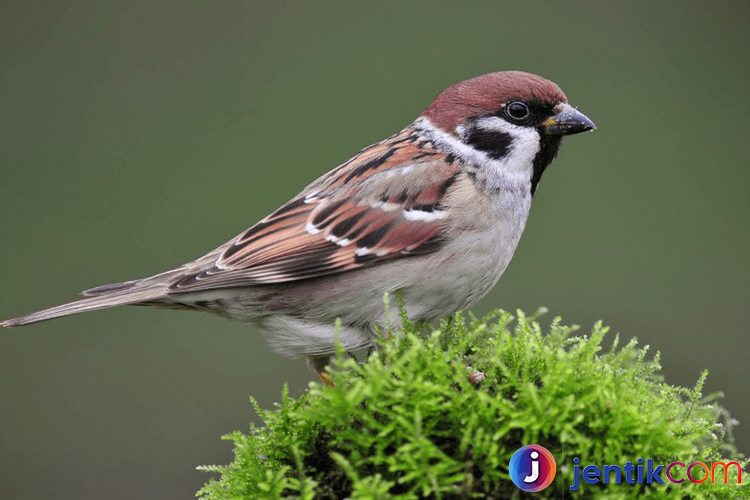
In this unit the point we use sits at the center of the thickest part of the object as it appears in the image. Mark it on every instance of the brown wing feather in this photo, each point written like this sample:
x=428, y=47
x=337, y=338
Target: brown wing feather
x=383, y=204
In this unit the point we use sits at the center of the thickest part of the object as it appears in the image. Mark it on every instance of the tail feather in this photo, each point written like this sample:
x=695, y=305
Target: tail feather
x=109, y=288
x=114, y=296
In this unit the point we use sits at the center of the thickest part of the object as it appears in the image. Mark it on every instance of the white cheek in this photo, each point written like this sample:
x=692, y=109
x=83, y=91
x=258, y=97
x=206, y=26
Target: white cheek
x=510, y=172
x=523, y=149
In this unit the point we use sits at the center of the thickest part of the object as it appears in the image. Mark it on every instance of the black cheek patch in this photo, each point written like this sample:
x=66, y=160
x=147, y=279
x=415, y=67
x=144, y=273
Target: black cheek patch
x=495, y=144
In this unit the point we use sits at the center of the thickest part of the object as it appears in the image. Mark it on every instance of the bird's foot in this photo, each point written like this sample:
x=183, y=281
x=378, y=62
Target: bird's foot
x=320, y=365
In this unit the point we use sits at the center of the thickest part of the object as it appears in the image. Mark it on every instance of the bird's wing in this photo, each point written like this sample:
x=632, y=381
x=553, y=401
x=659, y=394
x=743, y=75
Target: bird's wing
x=385, y=203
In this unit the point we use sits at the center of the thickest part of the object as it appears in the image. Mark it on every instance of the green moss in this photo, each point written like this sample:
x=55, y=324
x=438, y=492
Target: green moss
x=408, y=423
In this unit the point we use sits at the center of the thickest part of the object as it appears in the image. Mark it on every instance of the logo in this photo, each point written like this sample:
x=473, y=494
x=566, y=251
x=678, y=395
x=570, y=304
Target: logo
x=646, y=471
x=532, y=468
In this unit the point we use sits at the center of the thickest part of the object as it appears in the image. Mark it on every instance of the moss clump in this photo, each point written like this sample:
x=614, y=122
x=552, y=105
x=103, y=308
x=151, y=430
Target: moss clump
x=408, y=423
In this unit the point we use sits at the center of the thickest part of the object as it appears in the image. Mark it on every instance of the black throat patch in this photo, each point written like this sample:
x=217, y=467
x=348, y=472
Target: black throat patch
x=549, y=145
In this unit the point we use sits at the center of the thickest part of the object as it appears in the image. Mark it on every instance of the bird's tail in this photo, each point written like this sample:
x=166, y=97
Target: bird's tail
x=117, y=294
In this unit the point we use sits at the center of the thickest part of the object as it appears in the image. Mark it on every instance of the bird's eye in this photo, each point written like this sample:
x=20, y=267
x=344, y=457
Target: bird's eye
x=517, y=110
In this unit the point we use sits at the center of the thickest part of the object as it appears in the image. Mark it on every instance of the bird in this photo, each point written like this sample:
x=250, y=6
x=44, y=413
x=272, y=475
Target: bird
x=433, y=213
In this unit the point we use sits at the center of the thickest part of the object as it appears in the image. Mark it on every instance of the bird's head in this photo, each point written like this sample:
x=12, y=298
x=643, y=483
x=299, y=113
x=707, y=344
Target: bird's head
x=513, y=117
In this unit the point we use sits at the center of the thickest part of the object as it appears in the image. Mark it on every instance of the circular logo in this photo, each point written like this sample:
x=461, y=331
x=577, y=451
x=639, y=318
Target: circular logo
x=532, y=468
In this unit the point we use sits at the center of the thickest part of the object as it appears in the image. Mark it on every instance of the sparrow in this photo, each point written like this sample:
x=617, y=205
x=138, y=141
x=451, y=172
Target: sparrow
x=434, y=212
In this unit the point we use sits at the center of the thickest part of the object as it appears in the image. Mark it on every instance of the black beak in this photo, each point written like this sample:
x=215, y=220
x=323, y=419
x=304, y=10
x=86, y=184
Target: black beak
x=569, y=121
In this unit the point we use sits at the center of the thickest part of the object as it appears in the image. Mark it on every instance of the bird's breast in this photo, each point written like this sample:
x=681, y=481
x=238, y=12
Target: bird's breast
x=476, y=254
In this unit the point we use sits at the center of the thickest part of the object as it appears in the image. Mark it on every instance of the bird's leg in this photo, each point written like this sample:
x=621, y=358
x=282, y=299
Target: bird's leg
x=369, y=352
x=320, y=365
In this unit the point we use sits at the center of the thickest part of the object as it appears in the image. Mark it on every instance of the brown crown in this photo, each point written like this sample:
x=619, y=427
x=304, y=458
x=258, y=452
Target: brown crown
x=486, y=94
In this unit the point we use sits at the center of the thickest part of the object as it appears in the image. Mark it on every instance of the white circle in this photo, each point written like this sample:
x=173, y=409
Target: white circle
x=534, y=455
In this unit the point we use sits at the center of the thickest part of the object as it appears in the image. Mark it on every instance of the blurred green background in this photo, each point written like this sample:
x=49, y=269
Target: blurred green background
x=137, y=135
